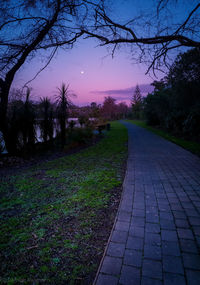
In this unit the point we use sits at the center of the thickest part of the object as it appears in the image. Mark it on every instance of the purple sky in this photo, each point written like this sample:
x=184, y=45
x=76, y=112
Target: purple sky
x=89, y=70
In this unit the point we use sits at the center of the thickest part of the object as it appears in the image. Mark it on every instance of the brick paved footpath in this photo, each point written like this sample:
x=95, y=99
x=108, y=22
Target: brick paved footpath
x=156, y=236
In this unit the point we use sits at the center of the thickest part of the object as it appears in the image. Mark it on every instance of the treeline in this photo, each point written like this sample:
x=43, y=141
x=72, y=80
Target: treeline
x=49, y=118
x=107, y=111
x=175, y=103
x=25, y=117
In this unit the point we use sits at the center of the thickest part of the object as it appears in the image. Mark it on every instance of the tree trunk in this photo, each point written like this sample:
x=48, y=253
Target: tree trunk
x=4, y=92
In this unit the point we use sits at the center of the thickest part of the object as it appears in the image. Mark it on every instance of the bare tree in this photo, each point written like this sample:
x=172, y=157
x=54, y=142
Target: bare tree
x=27, y=27
x=152, y=35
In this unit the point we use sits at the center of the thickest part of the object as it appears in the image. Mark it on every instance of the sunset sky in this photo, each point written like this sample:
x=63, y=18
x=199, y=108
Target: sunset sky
x=89, y=69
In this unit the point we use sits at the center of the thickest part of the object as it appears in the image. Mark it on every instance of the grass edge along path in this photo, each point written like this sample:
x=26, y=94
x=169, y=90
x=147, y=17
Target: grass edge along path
x=56, y=217
x=193, y=147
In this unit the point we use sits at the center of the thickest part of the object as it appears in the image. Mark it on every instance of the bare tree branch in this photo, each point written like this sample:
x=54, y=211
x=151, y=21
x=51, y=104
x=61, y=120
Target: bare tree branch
x=153, y=37
x=47, y=63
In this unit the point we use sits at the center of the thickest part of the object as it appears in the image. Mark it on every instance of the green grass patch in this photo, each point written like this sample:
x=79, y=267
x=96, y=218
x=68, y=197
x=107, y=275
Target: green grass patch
x=54, y=216
x=194, y=147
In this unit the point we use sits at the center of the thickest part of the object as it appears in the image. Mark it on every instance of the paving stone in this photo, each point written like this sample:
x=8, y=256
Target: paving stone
x=193, y=277
x=152, y=238
x=122, y=226
x=174, y=279
x=152, y=252
x=106, y=280
x=152, y=218
x=135, y=243
x=139, y=213
x=150, y=209
x=152, y=228
x=173, y=195
x=194, y=221
x=161, y=192
x=119, y=236
x=188, y=246
x=196, y=230
x=136, y=231
x=133, y=257
x=176, y=206
x=116, y=249
x=166, y=216
x=169, y=235
x=191, y=261
x=187, y=205
x=173, y=200
x=137, y=222
x=167, y=224
x=124, y=216
x=152, y=269
x=182, y=223
x=185, y=233
x=129, y=275
x=170, y=248
x=192, y=213
x=150, y=281
x=140, y=206
x=179, y=214
x=161, y=195
x=198, y=241
x=111, y=265
x=172, y=264
x=162, y=202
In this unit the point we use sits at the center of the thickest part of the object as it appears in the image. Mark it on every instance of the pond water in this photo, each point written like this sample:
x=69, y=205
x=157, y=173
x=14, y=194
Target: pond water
x=56, y=128
x=38, y=132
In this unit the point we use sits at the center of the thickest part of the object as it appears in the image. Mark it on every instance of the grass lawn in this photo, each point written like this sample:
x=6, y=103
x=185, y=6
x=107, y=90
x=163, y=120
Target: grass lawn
x=56, y=217
x=189, y=145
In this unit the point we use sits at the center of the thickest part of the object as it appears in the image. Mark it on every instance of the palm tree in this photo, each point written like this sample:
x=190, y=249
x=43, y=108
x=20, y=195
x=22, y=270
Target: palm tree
x=63, y=103
x=46, y=123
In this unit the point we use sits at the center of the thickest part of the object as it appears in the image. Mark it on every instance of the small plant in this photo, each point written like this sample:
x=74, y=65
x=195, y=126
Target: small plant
x=71, y=125
x=46, y=122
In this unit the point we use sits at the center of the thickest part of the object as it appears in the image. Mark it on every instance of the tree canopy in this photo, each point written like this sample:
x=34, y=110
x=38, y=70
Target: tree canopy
x=175, y=102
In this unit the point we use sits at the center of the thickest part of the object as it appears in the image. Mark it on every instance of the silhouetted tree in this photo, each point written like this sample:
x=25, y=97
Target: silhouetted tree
x=136, y=103
x=122, y=110
x=109, y=108
x=175, y=102
x=27, y=27
x=21, y=124
x=46, y=120
x=95, y=110
x=152, y=35
x=63, y=103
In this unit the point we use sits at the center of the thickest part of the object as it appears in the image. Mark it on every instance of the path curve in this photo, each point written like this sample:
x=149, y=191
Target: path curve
x=156, y=235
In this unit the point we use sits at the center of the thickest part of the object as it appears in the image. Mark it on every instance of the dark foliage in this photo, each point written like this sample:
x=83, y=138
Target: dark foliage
x=175, y=103
x=63, y=102
x=21, y=125
x=47, y=120
x=136, y=103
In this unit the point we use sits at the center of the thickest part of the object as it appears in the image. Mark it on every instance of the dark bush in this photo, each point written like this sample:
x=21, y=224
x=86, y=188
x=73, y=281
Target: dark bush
x=191, y=125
